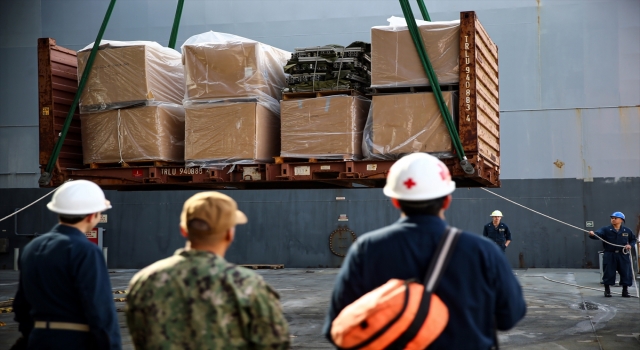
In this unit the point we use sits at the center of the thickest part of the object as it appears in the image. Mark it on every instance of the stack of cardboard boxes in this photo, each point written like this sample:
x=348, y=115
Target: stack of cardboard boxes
x=131, y=108
x=324, y=127
x=233, y=85
x=328, y=126
x=401, y=123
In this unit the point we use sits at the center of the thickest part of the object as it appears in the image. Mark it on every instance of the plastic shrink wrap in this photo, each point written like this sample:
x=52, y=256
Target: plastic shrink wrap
x=221, y=66
x=130, y=73
x=399, y=124
x=137, y=134
x=217, y=134
x=324, y=127
x=395, y=61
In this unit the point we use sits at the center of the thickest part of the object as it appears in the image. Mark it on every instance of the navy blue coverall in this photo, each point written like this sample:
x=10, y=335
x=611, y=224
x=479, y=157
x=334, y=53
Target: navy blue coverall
x=64, y=278
x=478, y=285
x=614, y=259
x=500, y=234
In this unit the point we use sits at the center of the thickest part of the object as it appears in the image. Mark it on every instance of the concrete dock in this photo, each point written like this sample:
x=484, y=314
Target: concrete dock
x=560, y=313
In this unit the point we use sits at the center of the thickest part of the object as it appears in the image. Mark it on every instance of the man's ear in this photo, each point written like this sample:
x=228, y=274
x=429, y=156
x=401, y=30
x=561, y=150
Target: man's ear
x=90, y=217
x=395, y=202
x=447, y=202
x=231, y=235
x=184, y=232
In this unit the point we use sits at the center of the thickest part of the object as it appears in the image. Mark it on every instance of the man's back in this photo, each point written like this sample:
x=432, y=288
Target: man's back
x=63, y=278
x=198, y=300
x=478, y=285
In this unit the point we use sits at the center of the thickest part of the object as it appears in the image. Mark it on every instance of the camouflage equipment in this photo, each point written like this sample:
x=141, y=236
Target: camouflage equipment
x=329, y=67
x=197, y=300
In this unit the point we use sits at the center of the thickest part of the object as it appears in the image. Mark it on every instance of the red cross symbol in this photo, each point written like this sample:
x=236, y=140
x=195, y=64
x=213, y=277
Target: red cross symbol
x=409, y=183
x=444, y=172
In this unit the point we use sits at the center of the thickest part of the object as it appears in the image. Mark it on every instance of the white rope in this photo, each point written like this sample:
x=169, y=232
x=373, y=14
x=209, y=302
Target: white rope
x=120, y=139
x=36, y=201
x=624, y=249
x=571, y=284
x=549, y=217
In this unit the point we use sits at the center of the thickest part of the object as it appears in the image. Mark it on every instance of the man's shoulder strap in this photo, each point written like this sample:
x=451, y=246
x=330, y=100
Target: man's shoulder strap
x=441, y=258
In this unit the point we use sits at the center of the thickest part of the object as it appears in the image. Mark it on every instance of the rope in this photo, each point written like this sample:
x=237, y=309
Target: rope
x=36, y=201
x=573, y=285
x=120, y=139
x=554, y=219
x=624, y=249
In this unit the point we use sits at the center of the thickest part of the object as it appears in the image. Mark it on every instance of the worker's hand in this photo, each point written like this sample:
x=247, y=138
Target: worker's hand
x=627, y=247
x=591, y=233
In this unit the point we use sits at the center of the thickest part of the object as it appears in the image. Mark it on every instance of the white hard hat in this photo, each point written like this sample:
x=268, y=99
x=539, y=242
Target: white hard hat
x=78, y=197
x=418, y=177
x=496, y=213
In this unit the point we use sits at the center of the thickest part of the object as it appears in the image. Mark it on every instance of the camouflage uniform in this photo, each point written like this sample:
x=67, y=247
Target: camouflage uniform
x=197, y=300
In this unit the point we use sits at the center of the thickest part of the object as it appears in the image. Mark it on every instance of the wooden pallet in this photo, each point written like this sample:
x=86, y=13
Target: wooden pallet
x=263, y=266
x=284, y=160
x=376, y=91
x=287, y=96
x=155, y=163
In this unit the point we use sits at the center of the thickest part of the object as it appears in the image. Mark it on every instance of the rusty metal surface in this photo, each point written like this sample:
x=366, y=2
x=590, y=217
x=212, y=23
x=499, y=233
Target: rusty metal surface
x=479, y=122
x=324, y=174
x=57, y=85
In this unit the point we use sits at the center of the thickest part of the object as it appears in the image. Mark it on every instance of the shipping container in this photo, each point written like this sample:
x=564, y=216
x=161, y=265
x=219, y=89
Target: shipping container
x=478, y=128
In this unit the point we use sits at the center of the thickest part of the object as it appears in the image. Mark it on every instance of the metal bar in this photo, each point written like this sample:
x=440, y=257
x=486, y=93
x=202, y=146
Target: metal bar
x=176, y=25
x=45, y=178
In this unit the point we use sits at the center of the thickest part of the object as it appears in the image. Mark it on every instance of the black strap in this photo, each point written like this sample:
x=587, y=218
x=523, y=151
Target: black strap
x=437, y=265
x=382, y=330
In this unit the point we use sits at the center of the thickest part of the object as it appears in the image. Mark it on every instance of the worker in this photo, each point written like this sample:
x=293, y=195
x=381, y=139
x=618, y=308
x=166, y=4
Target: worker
x=196, y=299
x=615, y=258
x=64, y=298
x=634, y=249
x=498, y=231
x=478, y=285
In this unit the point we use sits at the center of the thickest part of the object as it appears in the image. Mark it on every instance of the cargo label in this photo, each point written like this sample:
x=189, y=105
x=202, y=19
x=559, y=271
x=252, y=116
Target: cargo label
x=181, y=171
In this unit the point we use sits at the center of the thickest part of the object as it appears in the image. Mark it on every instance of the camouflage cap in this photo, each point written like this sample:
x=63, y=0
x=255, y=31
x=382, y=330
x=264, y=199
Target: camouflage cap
x=218, y=210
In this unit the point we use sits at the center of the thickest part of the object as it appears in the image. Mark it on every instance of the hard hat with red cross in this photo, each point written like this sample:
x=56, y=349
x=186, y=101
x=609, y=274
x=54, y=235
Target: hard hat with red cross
x=418, y=177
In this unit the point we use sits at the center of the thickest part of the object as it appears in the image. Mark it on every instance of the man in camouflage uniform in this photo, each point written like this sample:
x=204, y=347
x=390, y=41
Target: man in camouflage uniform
x=196, y=299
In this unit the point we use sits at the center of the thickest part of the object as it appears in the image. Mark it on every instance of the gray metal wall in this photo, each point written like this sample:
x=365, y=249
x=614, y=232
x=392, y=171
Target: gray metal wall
x=563, y=63
x=570, y=123
x=292, y=227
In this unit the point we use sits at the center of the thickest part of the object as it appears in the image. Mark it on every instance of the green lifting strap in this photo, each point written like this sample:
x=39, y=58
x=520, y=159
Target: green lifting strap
x=45, y=178
x=423, y=10
x=176, y=25
x=433, y=79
